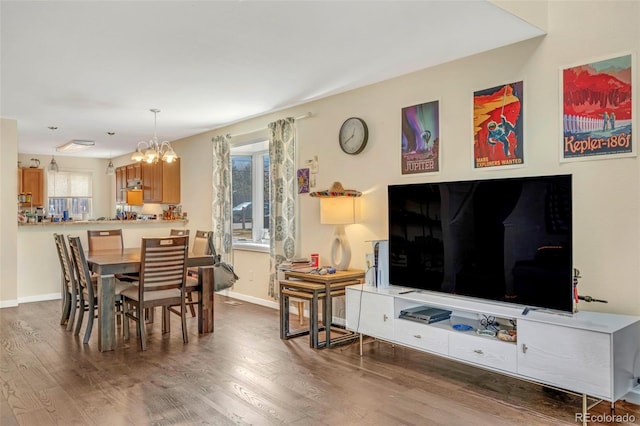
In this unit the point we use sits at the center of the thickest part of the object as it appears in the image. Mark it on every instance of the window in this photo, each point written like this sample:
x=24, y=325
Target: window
x=71, y=191
x=250, y=188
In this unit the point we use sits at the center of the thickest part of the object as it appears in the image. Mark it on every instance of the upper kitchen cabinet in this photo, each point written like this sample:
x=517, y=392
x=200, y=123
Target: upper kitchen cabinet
x=121, y=184
x=161, y=182
x=134, y=171
x=31, y=180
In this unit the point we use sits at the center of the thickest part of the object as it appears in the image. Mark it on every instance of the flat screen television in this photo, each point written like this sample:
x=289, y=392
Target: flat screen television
x=506, y=240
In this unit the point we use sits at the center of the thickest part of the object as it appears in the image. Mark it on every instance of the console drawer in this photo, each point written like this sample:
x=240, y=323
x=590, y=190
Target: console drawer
x=483, y=351
x=421, y=336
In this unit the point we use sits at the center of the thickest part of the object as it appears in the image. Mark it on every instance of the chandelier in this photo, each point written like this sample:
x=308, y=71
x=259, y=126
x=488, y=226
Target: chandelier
x=153, y=151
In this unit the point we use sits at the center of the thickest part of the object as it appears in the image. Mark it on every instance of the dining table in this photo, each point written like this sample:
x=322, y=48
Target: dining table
x=106, y=263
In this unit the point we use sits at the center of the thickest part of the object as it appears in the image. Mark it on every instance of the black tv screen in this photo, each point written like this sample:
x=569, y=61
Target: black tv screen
x=506, y=240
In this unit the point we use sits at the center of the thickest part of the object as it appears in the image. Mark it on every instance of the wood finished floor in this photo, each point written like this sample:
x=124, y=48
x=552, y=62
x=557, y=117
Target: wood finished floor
x=244, y=374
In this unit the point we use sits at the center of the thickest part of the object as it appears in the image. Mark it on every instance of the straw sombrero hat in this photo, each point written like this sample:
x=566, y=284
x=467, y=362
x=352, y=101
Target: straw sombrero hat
x=336, y=190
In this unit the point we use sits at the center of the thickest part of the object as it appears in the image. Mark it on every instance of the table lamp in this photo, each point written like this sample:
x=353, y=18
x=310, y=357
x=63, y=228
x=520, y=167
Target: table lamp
x=337, y=207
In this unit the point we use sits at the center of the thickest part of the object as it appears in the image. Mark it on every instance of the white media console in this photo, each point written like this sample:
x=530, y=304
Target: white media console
x=589, y=353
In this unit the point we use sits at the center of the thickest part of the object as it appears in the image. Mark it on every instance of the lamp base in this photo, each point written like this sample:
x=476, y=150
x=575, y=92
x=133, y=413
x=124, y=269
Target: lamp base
x=340, y=250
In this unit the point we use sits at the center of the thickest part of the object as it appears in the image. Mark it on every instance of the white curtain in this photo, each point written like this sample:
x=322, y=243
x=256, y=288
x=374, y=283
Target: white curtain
x=283, y=195
x=221, y=206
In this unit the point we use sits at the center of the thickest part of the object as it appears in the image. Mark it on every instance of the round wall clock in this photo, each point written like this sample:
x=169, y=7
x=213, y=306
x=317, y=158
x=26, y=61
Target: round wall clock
x=353, y=135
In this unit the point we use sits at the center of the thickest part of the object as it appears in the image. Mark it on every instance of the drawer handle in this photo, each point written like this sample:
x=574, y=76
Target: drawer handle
x=385, y=317
x=478, y=351
x=417, y=336
x=524, y=348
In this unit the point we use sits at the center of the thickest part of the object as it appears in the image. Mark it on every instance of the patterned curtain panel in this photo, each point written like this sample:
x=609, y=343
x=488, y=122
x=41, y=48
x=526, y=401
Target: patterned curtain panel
x=221, y=207
x=282, y=193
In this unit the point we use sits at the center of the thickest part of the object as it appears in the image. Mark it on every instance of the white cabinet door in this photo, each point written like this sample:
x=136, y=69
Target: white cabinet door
x=370, y=314
x=570, y=358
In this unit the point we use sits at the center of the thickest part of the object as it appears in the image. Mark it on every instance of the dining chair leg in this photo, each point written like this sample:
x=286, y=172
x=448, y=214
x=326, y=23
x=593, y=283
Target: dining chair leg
x=141, y=333
x=125, y=320
x=166, y=320
x=73, y=309
x=193, y=310
x=149, y=314
x=80, y=313
x=185, y=338
x=66, y=308
x=87, y=332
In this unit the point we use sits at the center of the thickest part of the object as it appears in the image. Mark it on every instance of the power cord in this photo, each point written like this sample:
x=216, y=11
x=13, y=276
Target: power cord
x=489, y=323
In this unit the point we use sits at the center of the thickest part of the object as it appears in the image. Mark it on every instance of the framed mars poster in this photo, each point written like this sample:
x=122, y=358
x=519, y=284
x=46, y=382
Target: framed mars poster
x=497, y=126
x=421, y=138
x=597, y=110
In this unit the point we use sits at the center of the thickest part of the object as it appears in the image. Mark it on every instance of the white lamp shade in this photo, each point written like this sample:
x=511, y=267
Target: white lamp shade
x=337, y=210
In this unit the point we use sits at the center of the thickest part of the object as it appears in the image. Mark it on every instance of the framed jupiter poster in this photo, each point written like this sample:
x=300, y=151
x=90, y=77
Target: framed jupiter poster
x=497, y=126
x=421, y=138
x=597, y=109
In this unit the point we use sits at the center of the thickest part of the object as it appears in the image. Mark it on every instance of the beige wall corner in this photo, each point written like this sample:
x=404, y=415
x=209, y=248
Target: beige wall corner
x=8, y=214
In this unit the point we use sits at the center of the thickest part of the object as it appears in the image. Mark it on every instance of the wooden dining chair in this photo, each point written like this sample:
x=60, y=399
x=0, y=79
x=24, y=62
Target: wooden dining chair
x=87, y=289
x=202, y=244
x=69, y=283
x=179, y=232
x=163, y=274
x=109, y=239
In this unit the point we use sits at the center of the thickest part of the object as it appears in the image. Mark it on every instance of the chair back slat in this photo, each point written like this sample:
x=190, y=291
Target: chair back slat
x=163, y=264
x=179, y=232
x=65, y=261
x=81, y=266
x=110, y=239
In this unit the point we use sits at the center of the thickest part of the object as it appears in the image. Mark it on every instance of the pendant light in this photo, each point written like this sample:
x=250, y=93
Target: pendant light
x=111, y=170
x=53, y=165
x=153, y=151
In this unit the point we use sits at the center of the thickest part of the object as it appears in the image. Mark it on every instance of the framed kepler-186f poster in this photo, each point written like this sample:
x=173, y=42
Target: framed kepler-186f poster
x=497, y=126
x=421, y=138
x=597, y=110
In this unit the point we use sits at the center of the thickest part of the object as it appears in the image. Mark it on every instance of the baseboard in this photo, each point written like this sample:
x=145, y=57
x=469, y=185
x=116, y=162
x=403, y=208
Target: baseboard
x=251, y=299
x=40, y=298
x=274, y=305
x=8, y=303
x=29, y=299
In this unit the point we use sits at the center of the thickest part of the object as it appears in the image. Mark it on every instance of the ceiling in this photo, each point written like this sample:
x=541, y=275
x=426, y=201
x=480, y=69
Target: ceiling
x=89, y=68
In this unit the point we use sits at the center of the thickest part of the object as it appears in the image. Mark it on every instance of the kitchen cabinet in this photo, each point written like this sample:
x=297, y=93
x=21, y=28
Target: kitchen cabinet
x=31, y=180
x=161, y=182
x=151, y=183
x=121, y=183
x=134, y=171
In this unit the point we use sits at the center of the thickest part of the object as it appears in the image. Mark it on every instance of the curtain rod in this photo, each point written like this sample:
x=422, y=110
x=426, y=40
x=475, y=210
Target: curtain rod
x=300, y=117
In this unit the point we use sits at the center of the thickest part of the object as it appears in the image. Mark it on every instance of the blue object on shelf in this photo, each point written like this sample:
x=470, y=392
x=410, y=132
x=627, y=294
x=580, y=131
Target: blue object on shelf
x=462, y=327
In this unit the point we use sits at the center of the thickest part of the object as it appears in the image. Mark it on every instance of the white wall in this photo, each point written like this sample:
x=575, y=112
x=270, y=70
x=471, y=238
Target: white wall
x=606, y=192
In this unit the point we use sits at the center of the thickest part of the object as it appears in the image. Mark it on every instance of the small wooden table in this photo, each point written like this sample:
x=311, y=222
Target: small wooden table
x=328, y=283
x=106, y=263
